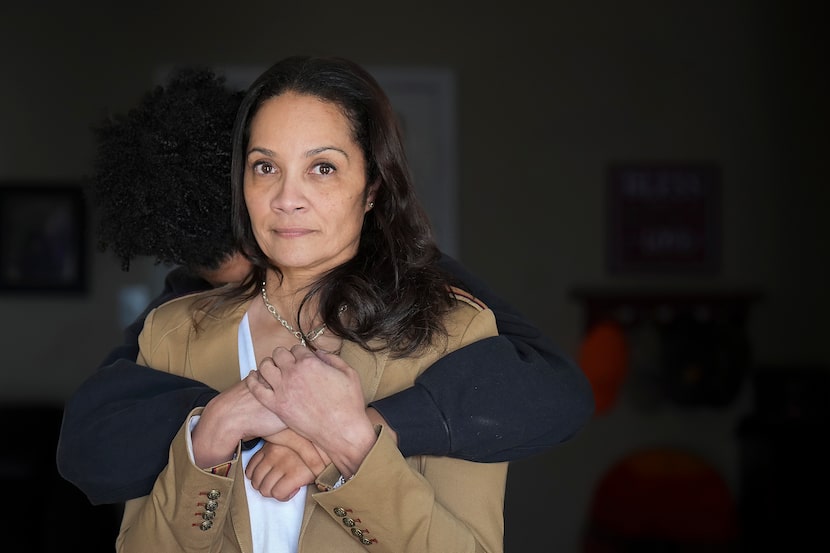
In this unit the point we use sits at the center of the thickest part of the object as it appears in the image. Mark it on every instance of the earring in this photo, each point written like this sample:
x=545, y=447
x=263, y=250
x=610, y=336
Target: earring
x=371, y=205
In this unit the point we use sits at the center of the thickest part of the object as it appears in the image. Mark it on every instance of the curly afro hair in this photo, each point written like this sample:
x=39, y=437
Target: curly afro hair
x=161, y=178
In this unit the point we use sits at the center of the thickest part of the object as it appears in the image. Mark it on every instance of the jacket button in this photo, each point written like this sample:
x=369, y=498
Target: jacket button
x=206, y=525
x=348, y=521
x=357, y=532
x=340, y=511
x=365, y=541
x=214, y=494
x=208, y=515
x=211, y=505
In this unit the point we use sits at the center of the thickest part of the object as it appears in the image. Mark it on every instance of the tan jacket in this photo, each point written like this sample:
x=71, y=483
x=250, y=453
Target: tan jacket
x=392, y=505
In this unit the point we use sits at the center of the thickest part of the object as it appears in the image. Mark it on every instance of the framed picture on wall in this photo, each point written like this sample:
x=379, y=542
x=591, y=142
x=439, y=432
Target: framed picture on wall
x=42, y=238
x=663, y=218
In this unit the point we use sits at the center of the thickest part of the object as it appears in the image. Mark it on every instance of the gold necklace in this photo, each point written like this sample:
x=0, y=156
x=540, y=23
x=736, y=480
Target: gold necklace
x=313, y=335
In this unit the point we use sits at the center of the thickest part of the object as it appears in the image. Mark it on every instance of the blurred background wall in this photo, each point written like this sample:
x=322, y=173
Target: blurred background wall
x=544, y=102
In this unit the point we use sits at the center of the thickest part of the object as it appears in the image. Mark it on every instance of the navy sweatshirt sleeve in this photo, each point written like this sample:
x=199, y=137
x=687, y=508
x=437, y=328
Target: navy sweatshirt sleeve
x=115, y=425
x=503, y=398
x=499, y=399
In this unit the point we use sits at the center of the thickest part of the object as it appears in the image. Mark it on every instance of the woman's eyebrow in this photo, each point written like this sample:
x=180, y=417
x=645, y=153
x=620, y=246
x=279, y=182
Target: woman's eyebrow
x=264, y=151
x=322, y=149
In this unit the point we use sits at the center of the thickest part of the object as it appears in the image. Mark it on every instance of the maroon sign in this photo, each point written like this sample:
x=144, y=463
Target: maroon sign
x=663, y=218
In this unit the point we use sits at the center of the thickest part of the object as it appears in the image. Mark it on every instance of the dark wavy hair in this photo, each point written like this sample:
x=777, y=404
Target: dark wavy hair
x=394, y=289
x=161, y=177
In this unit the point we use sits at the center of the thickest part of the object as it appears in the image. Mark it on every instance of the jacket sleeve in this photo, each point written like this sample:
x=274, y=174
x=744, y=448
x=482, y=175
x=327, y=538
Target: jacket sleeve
x=188, y=508
x=114, y=422
x=500, y=399
x=418, y=505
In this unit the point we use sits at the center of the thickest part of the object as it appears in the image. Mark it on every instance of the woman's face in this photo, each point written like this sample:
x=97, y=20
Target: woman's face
x=304, y=184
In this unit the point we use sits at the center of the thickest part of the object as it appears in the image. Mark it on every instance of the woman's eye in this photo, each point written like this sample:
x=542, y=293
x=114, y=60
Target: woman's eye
x=263, y=168
x=324, y=169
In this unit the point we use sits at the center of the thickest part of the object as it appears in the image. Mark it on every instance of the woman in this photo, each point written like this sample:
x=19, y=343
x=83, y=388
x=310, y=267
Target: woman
x=344, y=271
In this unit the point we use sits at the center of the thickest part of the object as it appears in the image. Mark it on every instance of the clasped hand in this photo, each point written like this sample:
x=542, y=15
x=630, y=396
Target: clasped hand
x=308, y=406
x=320, y=397
x=284, y=464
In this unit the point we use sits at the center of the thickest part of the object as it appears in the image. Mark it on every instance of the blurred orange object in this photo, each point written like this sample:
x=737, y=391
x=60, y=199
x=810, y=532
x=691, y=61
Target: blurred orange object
x=661, y=497
x=603, y=357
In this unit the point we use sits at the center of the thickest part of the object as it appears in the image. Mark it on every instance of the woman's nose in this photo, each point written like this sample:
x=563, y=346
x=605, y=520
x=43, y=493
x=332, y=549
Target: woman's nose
x=288, y=195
